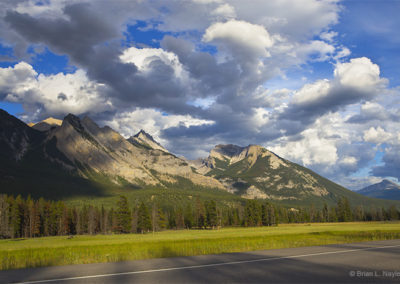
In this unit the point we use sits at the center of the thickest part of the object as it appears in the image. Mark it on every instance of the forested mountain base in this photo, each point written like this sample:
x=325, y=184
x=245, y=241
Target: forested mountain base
x=35, y=218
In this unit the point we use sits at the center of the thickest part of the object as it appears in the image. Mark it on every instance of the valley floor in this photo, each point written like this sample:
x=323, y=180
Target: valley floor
x=62, y=250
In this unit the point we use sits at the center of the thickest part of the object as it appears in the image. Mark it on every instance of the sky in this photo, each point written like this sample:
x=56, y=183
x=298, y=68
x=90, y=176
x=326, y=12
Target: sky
x=316, y=82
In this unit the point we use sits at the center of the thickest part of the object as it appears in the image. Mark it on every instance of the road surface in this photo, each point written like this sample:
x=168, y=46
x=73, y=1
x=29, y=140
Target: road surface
x=377, y=261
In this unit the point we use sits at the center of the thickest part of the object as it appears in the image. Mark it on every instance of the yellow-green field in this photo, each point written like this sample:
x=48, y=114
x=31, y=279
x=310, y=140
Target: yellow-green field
x=109, y=248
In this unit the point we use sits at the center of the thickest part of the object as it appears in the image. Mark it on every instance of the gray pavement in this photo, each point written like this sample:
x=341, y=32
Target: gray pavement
x=367, y=262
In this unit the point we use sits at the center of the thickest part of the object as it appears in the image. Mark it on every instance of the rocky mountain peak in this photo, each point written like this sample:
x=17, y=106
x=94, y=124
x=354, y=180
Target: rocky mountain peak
x=144, y=135
x=91, y=126
x=384, y=185
x=53, y=121
x=144, y=139
x=385, y=189
x=225, y=151
x=73, y=120
x=388, y=184
x=16, y=136
x=46, y=124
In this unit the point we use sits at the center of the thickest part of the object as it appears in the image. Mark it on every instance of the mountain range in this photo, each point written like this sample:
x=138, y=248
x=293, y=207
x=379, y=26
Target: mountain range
x=385, y=189
x=75, y=157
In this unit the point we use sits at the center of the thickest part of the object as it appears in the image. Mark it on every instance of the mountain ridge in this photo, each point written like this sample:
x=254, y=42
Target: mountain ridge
x=144, y=139
x=46, y=124
x=385, y=189
x=96, y=158
x=254, y=172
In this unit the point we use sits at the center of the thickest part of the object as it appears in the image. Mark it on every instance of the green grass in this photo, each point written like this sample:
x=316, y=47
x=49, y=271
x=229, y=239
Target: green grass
x=110, y=248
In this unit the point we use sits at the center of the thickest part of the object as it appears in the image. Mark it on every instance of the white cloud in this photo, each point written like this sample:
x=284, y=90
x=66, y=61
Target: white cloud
x=17, y=79
x=224, y=11
x=354, y=80
x=143, y=58
x=349, y=160
x=240, y=36
x=342, y=52
x=260, y=117
x=376, y=135
x=315, y=50
x=203, y=103
x=328, y=36
x=359, y=73
x=152, y=121
x=296, y=20
x=357, y=183
x=312, y=92
x=207, y=1
x=58, y=94
x=371, y=108
x=313, y=149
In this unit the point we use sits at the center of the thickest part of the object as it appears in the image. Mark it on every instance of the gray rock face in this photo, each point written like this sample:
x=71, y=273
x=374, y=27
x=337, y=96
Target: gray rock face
x=47, y=124
x=254, y=172
x=146, y=140
x=105, y=151
x=16, y=137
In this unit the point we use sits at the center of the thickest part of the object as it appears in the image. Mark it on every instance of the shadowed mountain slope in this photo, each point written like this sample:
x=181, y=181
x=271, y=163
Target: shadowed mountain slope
x=386, y=189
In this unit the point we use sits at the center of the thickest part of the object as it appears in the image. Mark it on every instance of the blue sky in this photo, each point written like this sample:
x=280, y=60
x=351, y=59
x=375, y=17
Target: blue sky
x=317, y=82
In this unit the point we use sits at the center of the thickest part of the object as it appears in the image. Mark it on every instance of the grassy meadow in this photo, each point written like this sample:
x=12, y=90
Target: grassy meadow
x=60, y=250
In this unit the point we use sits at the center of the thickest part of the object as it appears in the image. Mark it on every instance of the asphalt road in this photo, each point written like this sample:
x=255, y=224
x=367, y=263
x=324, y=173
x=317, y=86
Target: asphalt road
x=377, y=262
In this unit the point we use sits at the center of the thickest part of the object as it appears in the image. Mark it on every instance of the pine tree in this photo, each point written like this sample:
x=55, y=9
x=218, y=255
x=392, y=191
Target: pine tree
x=123, y=216
x=344, y=210
x=393, y=213
x=200, y=214
x=179, y=218
x=144, y=220
x=172, y=219
x=154, y=217
x=93, y=220
x=251, y=214
x=272, y=215
x=211, y=213
x=162, y=220
x=188, y=216
x=4, y=217
x=325, y=213
x=359, y=213
x=16, y=218
x=104, y=220
x=34, y=218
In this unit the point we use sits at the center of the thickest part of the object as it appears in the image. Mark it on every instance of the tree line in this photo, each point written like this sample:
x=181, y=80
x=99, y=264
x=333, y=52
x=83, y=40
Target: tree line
x=30, y=218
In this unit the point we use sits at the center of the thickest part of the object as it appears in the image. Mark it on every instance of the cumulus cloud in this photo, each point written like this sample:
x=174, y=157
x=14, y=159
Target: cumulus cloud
x=144, y=58
x=152, y=121
x=376, y=135
x=355, y=81
x=240, y=37
x=370, y=111
x=317, y=145
x=52, y=95
x=310, y=150
x=315, y=50
x=359, y=73
x=224, y=11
